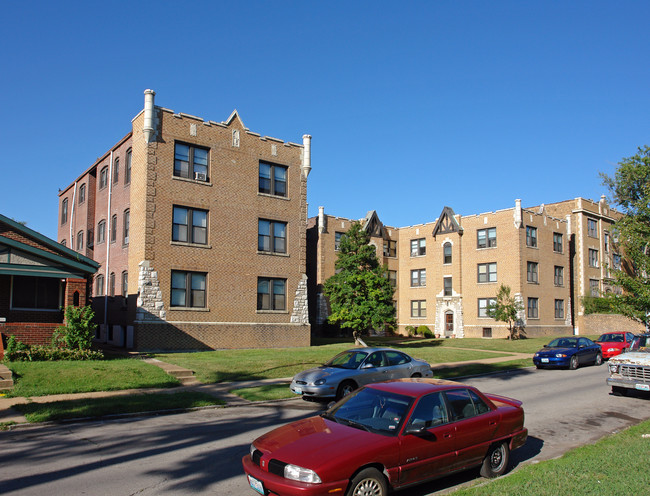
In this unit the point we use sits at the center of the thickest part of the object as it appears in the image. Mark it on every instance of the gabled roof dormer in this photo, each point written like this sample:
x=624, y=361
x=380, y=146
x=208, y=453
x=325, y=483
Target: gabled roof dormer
x=447, y=223
x=372, y=225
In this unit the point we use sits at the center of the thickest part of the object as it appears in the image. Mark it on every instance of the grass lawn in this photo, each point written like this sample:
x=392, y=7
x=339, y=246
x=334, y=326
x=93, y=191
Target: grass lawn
x=42, y=378
x=615, y=465
x=97, y=407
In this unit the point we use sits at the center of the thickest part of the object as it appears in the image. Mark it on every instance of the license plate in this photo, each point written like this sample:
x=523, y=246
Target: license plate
x=255, y=484
x=643, y=387
x=544, y=360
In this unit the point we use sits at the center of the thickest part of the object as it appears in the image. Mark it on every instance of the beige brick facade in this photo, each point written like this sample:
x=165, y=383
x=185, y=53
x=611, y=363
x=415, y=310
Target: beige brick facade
x=227, y=260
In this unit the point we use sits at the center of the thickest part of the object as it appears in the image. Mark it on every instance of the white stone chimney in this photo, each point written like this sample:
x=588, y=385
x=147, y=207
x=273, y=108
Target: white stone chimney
x=148, y=114
x=306, y=155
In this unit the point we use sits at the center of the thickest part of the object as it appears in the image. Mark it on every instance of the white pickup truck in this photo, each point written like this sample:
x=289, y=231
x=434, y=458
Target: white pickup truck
x=631, y=370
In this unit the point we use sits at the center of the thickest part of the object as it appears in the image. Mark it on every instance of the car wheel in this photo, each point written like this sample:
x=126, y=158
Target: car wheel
x=619, y=391
x=368, y=482
x=539, y=366
x=417, y=374
x=345, y=388
x=496, y=461
x=598, y=360
x=573, y=363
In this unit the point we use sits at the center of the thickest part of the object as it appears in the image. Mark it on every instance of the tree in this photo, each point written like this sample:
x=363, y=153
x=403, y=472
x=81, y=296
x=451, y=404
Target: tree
x=506, y=308
x=79, y=329
x=360, y=294
x=630, y=190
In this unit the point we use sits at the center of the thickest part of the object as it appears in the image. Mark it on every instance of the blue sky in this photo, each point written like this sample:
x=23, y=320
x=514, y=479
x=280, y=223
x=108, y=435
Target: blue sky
x=412, y=105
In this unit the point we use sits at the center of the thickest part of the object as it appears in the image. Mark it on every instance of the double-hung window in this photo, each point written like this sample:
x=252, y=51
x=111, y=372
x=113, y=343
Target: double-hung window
x=486, y=238
x=82, y=193
x=593, y=258
x=337, y=240
x=126, y=227
x=531, y=236
x=273, y=179
x=418, y=308
x=127, y=166
x=271, y=294
x=484, y=305
x=447, y=286
x=592, y=228
x=272, y=236
x=113, y=228
x=390, y=248
x=103, y=177
x=101, y=231
x=446, y=250
x=188, y=289
x=80, y=240
x=558, y=275
x=418, y=247
x=191, y=162
x=559, y=309
x=190, y=225
x=557, y=242
x=533, y=308
x=418, y=278
x=116, y=170
x=531, y=272
x=64, y=211
x=487, y=272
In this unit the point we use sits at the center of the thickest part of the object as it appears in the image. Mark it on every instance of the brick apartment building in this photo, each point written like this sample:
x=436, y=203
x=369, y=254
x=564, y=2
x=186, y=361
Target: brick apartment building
x=38, y=277
x=446, y=272
x=199, y=229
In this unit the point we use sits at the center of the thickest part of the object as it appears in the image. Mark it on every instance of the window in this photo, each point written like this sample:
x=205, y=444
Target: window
x=111, y=284
x=487, y=272
x=337, y=240
x=531, y=236
x=190, y=225
x=101, y=231
x=390, y=248
x=272, y=236
x=557, y=243
x=127, y=167
x=487, y=332
x=392, y=278
x=593, y=258
x=80, y=240
x=592, y=228
x=429, y=412
x=188, y=289
x=418, y=247
x=82, y=194
x=531, y=272
x=533, y=308
x=483, y=306
x=446, y=250
x=125, y=230
x=113, y=228
x=558, y=275
x=271, y=294
x=486, y=238
x=64, y=211
x=35, y=293
x=103, y=178
x=616, y=261
x=418, y=278
x=90, y=237
x=99, y=285
x=447, y=286
x=559, y=309
x=418, y=308
x=116, y=170
x=594, y=286
x=125, y=284
x=273, y=179
x=190, y=162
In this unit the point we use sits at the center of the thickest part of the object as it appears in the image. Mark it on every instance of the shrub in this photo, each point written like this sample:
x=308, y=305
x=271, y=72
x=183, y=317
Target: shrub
x=425, y=331
x=13, y=345
x=39, y=353
x=79, y=330
x=411, y=330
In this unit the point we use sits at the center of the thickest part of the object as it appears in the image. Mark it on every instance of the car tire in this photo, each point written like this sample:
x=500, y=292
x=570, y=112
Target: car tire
x=368, y=481
x=345, y=388
x=539, y=366
x=599, y=360
x=573, y=363
x=496, y=461
x=416, y=375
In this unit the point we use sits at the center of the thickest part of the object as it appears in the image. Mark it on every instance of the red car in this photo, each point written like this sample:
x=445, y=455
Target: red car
x=615, y=343
x=388, y=435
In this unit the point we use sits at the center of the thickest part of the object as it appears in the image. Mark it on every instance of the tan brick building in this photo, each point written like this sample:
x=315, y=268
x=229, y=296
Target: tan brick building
x=200, y=231
x=446, y=272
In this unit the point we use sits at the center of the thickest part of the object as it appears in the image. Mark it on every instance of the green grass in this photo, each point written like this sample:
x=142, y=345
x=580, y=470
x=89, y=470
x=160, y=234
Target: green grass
x=244, y=365
x=615, y=465
x=265, y=393
x=43, y=378
x=98, y=407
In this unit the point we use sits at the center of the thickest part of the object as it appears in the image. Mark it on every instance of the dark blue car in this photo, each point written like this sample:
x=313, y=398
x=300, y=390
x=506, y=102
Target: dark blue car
x=568, y=352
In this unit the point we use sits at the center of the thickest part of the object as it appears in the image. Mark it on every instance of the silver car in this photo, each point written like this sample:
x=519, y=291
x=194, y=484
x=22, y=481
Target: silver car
x=354, y=368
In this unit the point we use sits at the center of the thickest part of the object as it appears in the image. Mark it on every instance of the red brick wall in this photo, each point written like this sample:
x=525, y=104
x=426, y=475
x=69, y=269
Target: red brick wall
x=29, y=332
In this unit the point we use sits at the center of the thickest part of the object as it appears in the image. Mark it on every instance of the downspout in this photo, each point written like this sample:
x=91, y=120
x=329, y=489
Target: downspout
x=108, y=241
x=74, y=196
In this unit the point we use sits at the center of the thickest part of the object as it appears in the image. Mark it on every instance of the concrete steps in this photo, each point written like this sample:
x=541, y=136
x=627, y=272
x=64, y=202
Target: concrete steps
x=185, y=376
x=6, y=378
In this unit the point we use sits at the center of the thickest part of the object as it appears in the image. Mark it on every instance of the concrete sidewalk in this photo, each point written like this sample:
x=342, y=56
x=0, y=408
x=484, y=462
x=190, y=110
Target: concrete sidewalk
x=189, y=383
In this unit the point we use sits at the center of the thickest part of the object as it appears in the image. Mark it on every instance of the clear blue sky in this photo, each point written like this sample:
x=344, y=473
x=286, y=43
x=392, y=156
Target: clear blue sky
x=412, y=105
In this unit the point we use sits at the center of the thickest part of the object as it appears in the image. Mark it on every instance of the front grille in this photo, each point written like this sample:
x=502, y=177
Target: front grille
x=277, y=467
x=256, y=456
x=636, y=372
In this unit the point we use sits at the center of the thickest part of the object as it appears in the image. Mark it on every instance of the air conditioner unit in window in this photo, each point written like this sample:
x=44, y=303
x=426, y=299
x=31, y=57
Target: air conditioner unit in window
x=200, y=176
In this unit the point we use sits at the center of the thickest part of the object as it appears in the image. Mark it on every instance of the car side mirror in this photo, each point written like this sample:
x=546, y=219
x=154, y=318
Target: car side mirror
x=415, y=430
x=367, y=366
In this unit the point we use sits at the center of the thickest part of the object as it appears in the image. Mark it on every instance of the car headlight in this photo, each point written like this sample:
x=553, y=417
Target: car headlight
x=536, y=354
x=300, y=474
x=611, y=349
x=613, y=368
x=560, y=355
x=252, y=449
x=319, y=382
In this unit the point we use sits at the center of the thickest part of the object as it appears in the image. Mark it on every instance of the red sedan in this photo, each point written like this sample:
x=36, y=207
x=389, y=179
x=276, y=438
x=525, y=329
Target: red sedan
x=615, y=343
x=388, y=435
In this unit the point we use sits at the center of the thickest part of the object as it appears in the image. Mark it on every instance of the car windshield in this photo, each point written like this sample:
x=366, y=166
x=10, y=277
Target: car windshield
x=611, y=338
x=347, y=359
x=641, y=343
x=564, y=343
x=371, y=410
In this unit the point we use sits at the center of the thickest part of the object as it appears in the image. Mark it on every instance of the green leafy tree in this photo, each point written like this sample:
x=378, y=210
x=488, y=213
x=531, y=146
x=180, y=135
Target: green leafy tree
x=506, y=308
x=630, y=190
x=360, y=294
x=79, y=330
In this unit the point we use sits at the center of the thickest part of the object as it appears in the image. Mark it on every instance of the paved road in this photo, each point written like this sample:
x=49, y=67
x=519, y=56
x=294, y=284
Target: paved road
x=200, y=452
